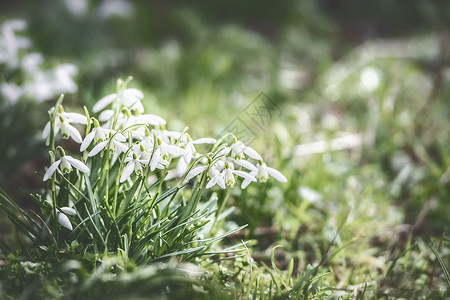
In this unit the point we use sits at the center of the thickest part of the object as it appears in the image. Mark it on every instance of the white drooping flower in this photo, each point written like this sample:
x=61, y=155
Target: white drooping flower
x=65, y=164
x=191, y=153
x=114, y=142
x=237, y=150
x=63, y=122
x=161, y=156
x=130, y=98
x=98, y=134
x=62, y=216
x=135, y=163
x=262, y=174
x=226, y=176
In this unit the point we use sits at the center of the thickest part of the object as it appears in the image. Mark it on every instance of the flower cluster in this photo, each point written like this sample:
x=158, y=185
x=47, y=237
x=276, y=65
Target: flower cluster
x=141, y=145
x=37, y=82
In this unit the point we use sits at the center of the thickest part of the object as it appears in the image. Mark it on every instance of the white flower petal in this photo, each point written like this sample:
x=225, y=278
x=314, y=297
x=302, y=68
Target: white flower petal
x=51, y=170
x=73, y=132
x=244, y=175
x=126, y=173
x=135, y=92
x=105, y=115
x=87, y=141
x=194, y=172
x=224, y=151
x=103, y=102
x=99, y=147
x=221, y=182
x=138, y=106
x=121, y=147
x=252, y=153
x=155, y=159
x=76, y=118
x=118, y=136
x=245, y=183
x=246, y=164
x=172, y=133
x=204, y=141
x=181, y=167
x=215, y=180
x=276, y=174
x=46, y=131
x=64, y=221
x=69, y=210
x=77, y=164
x=150, y=119
x=174, y=150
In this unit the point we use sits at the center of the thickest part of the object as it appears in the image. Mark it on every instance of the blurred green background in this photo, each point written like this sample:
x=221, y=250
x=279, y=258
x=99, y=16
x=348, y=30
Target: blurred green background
x=376, y=72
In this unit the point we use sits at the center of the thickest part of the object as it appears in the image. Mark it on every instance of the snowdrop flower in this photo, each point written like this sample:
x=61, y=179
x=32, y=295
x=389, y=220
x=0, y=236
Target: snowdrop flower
x=237, y=150
x=114, y=143
x=63, y=81
x=226, y=177
x=31, y=62
x=62, y=216
x=143, y=152
x=63, y=122
x=191, y=153
x=65, y=164
x=134, y=163
x=98, y=134
x=262, y=174
x=160, y=157
x=157, y=161
x=130, y=98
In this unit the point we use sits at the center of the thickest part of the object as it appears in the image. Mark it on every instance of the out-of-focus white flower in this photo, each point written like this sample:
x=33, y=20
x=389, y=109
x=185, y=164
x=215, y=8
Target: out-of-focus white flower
x=10, y=44
x=262, y=174
x=77, y=8
x=130, y=98
x=63, y=81
x=120, y=8
x=31, y=62
x=11, y=92
x=65, y=164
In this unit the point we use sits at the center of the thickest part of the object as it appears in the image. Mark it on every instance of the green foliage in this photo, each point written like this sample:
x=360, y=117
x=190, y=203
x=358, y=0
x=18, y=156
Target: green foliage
x=364, y=222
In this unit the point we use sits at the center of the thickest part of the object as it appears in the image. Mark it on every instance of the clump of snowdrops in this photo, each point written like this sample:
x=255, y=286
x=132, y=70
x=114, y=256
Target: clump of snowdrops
x=138, y=189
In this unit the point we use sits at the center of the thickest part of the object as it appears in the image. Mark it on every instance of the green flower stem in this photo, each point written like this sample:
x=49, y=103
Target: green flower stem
x=52, y=160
